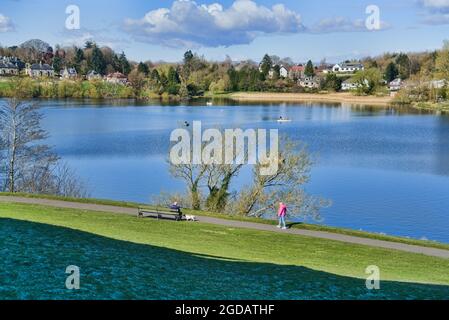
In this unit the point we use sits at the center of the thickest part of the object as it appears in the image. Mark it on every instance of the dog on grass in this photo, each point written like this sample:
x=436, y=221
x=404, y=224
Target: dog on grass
x=190, y=218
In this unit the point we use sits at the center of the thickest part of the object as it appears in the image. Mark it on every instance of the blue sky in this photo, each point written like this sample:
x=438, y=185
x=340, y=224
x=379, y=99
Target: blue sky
x=242, y=29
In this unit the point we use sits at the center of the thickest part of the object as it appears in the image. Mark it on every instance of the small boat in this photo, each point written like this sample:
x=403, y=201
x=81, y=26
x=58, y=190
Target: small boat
x=283, y=120
x=209, y=104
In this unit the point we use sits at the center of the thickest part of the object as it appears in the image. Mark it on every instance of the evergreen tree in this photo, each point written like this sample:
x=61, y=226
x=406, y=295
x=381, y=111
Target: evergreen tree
x=266, y=65
x=143, y=68
x=309, y=71
x=391, y=72
x=404, y=65
x=97, y=62
x=125, y=66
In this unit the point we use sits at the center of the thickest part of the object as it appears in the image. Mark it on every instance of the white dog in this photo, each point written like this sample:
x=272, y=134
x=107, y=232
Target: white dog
x=190, y=218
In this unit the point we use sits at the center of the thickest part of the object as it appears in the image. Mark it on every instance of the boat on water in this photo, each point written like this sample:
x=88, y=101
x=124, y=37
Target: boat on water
x=281, y=119
x=209, y=104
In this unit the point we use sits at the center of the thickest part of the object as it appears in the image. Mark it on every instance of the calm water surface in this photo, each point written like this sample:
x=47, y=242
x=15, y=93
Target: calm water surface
x=386, y=171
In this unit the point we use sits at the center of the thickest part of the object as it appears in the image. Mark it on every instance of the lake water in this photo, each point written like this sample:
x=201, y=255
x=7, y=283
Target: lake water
x=385, y=170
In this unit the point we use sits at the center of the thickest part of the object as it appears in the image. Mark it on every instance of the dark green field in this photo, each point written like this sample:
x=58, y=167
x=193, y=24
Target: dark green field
x=122, y=257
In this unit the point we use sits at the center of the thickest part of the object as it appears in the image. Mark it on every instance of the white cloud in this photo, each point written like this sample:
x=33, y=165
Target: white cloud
x=436, y=11
x=6, y=24
x=187, y=23
x=436, y=4
x=342, y=24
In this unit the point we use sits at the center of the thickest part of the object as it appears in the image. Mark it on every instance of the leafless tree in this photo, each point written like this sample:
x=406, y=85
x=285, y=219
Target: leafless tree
x=27, y=164
x=285, y=185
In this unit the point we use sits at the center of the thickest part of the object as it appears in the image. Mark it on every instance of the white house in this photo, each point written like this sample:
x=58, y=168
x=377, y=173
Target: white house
x=69, y=73
x=347, y=67
x=395, y=85
x=39, y=70
x=437, y=84
x=93, y=75
x=283, y=72
x=117, y=78
x=310, y=82
x=351, y=85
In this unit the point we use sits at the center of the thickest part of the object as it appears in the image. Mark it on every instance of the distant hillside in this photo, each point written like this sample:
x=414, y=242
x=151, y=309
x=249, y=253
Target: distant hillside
x=36, y=44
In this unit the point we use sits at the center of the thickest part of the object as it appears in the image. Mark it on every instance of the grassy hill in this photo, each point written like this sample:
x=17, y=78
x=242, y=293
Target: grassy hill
x=122, y=257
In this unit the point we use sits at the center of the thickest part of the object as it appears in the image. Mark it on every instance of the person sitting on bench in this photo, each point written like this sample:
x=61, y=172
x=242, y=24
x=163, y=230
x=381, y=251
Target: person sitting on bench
x=176, y=207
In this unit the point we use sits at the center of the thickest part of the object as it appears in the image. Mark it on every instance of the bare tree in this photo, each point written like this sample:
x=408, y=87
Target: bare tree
x=21, y=132
x=192, y=174
x=285, y=185
x=28, y=165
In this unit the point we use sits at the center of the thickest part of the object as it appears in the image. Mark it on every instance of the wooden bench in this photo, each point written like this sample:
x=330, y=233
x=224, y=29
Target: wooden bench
x=160, y=214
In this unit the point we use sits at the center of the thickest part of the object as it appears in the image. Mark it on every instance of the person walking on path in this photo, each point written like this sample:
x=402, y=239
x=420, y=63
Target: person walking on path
x=282, y=212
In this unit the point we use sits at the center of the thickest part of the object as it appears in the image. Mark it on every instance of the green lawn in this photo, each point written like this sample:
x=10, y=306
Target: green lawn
x=122, y=257
x=305, y=226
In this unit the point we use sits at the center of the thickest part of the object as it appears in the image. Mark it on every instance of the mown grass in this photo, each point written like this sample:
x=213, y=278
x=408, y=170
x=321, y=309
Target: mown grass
x=303, y=226
x=146, y=258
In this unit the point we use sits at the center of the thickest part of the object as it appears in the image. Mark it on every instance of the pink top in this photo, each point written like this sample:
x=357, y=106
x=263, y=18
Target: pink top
x=282, y=210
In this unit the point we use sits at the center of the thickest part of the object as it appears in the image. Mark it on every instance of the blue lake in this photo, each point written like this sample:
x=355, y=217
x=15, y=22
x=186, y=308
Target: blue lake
x=385, y=170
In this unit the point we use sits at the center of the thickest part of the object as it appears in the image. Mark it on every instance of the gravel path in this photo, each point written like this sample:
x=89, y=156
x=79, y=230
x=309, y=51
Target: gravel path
x=241, y=224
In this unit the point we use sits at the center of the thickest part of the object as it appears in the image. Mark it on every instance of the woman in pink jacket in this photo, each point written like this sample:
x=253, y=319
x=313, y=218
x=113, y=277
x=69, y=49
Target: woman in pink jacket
x=282, y=212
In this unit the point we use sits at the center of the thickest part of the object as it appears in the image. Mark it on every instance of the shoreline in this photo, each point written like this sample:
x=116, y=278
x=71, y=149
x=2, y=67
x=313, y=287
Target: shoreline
x=344, y=97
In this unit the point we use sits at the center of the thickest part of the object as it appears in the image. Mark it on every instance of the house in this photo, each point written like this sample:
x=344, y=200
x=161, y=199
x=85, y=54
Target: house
x=309, y=82
x=93, y=75
x=117, y=78
x=395, y=85
x=296, y=72
x=323, y=69
x=69, y=73
x=39, y=70
x=438, y=84
x=347, y=67
x=283, y=72
x=8, y=69
x=349, y=85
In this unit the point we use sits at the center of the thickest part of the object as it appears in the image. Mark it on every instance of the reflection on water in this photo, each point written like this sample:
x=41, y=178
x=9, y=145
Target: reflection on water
x=385, y=169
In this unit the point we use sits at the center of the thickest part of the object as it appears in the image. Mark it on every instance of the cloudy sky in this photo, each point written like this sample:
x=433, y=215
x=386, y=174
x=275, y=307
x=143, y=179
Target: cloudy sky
x=243, y=29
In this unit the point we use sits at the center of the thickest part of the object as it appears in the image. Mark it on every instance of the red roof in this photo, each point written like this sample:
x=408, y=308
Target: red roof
x=116, y=75
x=297, y=68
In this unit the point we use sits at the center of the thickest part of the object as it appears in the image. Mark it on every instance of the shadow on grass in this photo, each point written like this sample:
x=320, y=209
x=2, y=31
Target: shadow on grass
x=34, y=258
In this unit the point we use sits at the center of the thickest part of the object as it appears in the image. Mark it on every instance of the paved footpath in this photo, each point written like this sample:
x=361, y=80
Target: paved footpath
x=240, y=224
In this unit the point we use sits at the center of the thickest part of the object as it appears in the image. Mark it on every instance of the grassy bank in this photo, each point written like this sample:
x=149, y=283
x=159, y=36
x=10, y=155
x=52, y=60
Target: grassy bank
x=124, y=257
x=304, y=226
x=342, y=97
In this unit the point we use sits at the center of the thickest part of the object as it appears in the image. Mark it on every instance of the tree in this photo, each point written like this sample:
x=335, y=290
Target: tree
x=368, y=80
x=391, y=72
x=143, y=68
x=97, y=61
x=125, y=66
x=285, y=185
x=404, y=65
x=332, y=82
x=309, y=71
x=442, y=61
x=26, y=164
x=137, y=81
x=21, y=132
x=266, y=65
